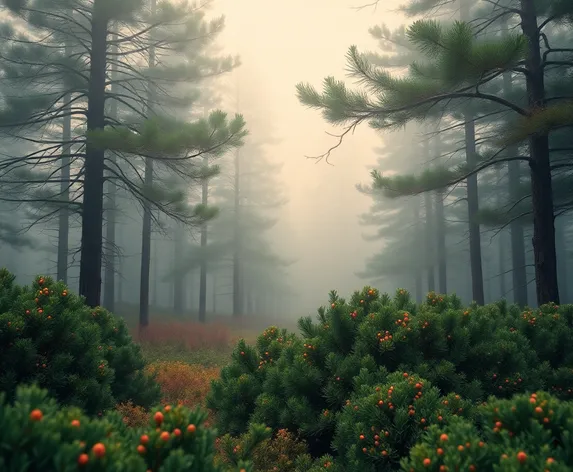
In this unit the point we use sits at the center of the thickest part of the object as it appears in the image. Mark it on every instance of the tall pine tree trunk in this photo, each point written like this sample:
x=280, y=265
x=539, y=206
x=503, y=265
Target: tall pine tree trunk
x=430, y=239
x=472, y=193
x=146, y=223
x=561, y=249
x=473, y=208
x=441, y=246
x=178, y=281
x=518, y=265
x=64, y=213
x=203, y=266
x=418, y=242
x=440, y=229
x=545, y=257
x=111, y=211
x=237, y=284
x=501, y=248
x=92, y=210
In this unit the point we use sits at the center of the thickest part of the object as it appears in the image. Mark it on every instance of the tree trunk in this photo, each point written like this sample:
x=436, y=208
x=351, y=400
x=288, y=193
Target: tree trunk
x=430, y=239
x=545, y=257
x=146, y=223
x=111, y=212
x=441, y=236
x=417, y=233
x=237, y=285
x=178, y=285
x=473, y=208
x=92, y=210
x=64, y=213
x=561, y=249
x=518, y=269
x=203, y=265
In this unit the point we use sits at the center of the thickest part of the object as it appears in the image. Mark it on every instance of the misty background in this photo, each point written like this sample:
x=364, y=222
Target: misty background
x=318, y=228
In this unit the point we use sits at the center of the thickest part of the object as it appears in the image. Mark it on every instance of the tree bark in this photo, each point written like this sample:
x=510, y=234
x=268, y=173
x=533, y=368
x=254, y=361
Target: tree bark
x=561, y=249
x=203, y=265
x=473, y=208
x=92, y=210
x=146, y=223
x=544, y=253
x=418, y=242
x=111, y=212
x=430, y=240
x=64, y=213
x=178, y=285
x=518, y=269
x=237, y=285
x=441, y=236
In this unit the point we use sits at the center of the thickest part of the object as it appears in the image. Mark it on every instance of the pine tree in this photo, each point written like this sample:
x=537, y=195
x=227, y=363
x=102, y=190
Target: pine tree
x=460, y=63
x=136, y=137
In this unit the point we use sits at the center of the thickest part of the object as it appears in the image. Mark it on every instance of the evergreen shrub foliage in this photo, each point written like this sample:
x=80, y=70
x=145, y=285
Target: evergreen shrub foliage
x=304, y=383
x=527, y=433
x=37, y=435
x=82, y=356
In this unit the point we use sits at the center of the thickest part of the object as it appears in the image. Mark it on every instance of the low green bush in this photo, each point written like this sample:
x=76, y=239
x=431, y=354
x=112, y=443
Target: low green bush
x=529, y=433
x=303, y=383
x=36, y=435
x=82, y=356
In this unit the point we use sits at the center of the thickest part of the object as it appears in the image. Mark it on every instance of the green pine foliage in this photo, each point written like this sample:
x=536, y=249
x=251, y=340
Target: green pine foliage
x=527, y=433
x=323, y=384
x=38, y=435
x=83, y=357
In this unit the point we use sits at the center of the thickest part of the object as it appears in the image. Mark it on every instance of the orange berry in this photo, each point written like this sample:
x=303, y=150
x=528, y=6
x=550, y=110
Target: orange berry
x=158, y=417
x=167, y=408
x=144, y=439
x=444, y=437
x=472, y=468
x=83, y=459
x=439, y=451
x=521, y=457
x=177, y=432
x=191, y=428
x=164, y=436
x=550, y=460
x=36, y=415
x=427, y=462
x=75, y=423
x=141, y=449
x=98, y=449
x=361, y=437
x=405, y=374
x=460, y=448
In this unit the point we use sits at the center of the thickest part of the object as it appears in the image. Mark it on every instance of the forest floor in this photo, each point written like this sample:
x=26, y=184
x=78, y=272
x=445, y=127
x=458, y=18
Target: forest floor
x=187, y=355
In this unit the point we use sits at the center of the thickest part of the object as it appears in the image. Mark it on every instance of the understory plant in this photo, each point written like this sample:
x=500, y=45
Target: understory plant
x=38, y=435
x=322, y=383
x=82, y=356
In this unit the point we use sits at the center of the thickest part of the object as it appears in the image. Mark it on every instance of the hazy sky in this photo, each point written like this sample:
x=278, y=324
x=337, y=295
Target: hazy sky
x=281, y=44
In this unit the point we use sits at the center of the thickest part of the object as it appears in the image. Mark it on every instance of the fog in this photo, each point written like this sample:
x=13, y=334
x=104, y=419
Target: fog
x=299, y=226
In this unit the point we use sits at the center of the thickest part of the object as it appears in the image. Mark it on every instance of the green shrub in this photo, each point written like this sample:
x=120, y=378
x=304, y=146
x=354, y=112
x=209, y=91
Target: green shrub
x=287, y=381
x=529, y=433
x=82, y=356
x=381, y=423
x=36, y=435
x=283, y=452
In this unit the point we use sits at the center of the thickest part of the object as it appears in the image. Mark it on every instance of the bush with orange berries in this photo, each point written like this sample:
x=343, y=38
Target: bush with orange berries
x=37, y=435
x=82, y=356
x=303, y=383
x=283, y=452
x=529, y=433
x=380, y=423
